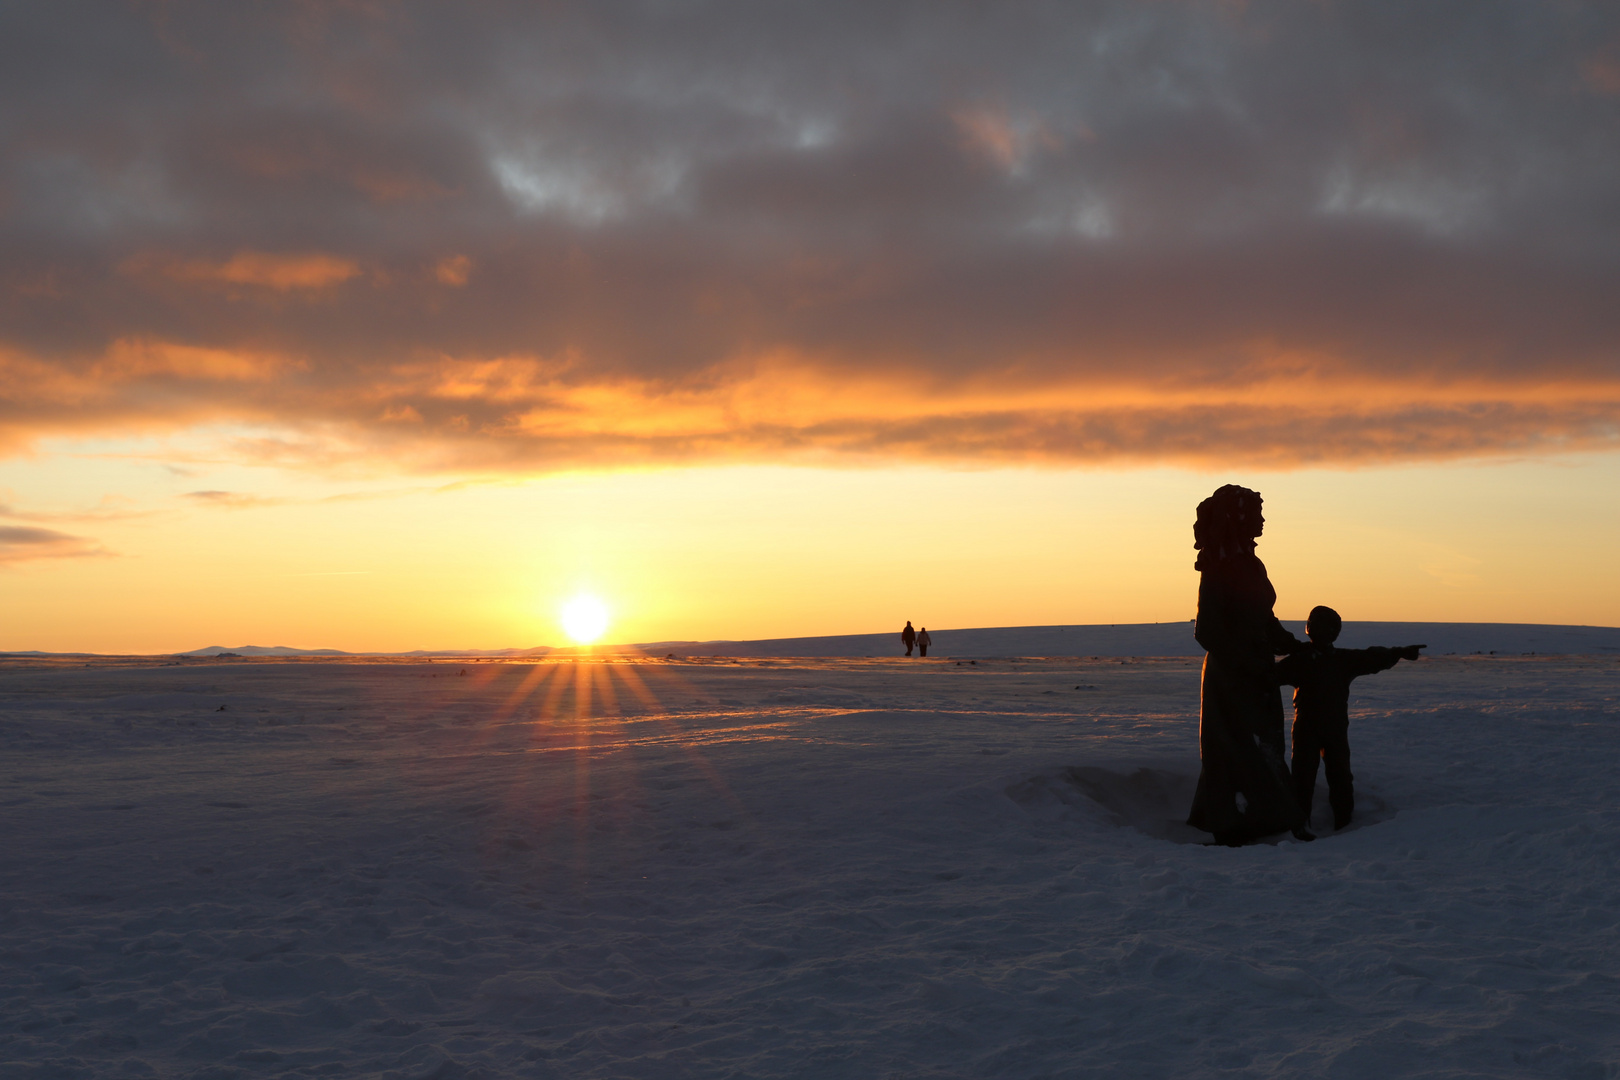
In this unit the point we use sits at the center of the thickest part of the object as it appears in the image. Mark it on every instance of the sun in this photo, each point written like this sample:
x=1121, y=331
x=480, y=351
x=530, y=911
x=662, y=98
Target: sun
x=584, y=618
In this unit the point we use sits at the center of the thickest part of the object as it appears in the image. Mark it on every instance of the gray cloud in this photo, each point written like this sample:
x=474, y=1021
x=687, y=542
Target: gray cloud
x=327, y=216
x=22, y=543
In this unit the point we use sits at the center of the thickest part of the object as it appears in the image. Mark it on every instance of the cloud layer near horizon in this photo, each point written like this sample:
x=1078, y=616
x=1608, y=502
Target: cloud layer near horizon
x=521, y=237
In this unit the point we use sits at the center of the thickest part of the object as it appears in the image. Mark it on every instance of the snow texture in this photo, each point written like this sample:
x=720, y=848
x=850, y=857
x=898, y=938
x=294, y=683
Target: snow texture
x=810, y=868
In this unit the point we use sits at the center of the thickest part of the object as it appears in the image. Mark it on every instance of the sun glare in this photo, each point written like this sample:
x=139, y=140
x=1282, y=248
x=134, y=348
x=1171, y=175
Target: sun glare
x=584, y=618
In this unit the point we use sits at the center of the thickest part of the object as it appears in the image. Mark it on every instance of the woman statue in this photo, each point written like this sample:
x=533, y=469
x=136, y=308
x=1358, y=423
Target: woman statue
x=1243, y=787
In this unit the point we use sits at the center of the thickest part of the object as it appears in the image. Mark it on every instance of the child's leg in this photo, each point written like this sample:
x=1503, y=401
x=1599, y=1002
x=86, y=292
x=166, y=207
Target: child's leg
x=1341, y=790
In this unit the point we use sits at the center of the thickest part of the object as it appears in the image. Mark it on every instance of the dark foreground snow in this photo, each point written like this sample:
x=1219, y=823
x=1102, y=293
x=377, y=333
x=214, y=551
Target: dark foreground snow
x=800, y=869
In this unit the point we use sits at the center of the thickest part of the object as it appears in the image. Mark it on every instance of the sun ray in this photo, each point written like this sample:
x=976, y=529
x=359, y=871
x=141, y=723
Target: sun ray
x=602, y=687
x=529, y=685
x=582, y=770
x=549, y=708
x=487, y=729
x=684, y=741
x=637, y=686
x=583, y=728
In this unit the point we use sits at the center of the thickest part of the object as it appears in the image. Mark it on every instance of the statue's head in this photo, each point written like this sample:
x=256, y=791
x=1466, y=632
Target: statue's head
x=1228, y=523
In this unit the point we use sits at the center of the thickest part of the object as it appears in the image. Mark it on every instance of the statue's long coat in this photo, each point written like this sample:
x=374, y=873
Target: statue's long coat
x=1240, y=721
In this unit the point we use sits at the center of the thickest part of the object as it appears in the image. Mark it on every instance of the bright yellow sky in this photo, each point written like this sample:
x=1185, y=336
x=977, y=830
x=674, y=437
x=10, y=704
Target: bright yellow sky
x=747, y=552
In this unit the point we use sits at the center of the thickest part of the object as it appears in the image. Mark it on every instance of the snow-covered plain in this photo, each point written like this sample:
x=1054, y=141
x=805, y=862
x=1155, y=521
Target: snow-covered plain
x=795, y=868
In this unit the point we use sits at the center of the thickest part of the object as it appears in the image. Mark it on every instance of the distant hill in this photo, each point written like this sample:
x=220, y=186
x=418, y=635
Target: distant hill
x=262, y=650
x=212, y=651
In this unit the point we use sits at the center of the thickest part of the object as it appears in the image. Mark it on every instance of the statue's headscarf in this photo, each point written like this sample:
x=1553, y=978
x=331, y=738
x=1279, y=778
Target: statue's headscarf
x=1227, y=524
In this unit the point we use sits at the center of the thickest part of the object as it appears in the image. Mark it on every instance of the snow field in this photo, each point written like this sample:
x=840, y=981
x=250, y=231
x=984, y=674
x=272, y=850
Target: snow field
x=819, y=868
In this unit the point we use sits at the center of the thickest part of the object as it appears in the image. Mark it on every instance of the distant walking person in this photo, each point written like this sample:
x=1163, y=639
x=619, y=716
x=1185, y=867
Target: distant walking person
x=909, y=636
x=923, y=641
x=1321, y=678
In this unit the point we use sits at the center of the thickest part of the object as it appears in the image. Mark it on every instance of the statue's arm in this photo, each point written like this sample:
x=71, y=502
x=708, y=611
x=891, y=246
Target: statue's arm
x=1283, y=642
x=1288, y=670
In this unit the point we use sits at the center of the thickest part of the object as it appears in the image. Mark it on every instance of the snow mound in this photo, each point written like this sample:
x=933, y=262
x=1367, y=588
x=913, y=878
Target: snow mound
x=1151, y=801
x=1154, y=801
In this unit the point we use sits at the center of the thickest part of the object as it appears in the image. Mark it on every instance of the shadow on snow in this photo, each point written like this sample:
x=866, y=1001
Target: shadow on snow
x=1154, y=801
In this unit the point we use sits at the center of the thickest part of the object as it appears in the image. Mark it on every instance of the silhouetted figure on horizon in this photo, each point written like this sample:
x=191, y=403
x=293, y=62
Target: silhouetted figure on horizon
x=1244, y=790
x=923, y=641
x=1321, y=675
x=909, y=636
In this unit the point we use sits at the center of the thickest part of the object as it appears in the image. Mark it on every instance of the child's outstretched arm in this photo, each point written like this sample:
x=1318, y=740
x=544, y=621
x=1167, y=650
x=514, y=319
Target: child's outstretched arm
x=1377, y=658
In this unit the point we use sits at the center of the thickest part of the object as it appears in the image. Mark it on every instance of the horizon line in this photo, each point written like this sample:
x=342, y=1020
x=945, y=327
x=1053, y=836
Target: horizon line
x=511, y=652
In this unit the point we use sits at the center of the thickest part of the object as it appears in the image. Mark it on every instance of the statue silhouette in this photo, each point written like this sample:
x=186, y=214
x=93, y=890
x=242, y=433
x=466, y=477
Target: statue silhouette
x=1244, y=789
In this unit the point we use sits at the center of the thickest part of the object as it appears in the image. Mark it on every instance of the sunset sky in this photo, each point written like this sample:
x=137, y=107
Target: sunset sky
x=382, y=326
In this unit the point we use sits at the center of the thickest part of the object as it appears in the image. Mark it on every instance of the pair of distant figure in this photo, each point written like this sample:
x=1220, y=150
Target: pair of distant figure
x=1245, y=788
x=915, y=639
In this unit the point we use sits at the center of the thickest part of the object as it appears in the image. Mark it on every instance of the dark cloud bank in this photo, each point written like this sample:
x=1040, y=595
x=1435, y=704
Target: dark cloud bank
x=527, y=236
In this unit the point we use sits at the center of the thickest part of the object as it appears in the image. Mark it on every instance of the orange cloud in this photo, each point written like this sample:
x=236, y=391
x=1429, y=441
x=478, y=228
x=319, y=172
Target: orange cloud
x=535, y=413
x=304, y=156
x=518, y=413
x=1007, y=142
x=134, y=359
x=135, y=385
x=231, y=500
x=990, y=133
x=283, y=273
x=453, y=271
